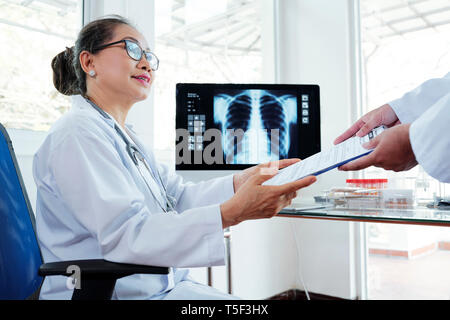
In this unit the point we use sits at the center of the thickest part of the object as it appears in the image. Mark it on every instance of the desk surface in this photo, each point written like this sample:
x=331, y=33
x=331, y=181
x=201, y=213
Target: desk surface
x=416, y=215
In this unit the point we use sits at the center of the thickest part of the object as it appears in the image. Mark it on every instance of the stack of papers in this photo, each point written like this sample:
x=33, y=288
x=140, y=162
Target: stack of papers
x=321, y=162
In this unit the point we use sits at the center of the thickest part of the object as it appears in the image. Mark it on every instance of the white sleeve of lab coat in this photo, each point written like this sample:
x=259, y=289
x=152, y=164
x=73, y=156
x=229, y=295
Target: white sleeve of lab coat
x=414, y=103
x=430, y=140
x=191, y=195
x=99, y=191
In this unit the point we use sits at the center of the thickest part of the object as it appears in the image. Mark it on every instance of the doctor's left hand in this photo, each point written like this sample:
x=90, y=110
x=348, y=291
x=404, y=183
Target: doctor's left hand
x=240, y=178
x=257, y=201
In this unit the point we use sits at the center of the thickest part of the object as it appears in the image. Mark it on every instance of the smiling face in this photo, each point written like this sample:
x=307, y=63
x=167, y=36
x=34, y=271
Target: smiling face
x=118, y=75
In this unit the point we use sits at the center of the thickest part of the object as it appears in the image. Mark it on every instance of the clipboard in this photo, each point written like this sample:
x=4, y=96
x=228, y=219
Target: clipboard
x=348, y=150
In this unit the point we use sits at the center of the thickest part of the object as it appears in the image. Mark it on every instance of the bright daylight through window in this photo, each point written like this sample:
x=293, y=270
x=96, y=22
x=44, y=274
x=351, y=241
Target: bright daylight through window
x=405, y=43
x=202, y=41
x=31, y=34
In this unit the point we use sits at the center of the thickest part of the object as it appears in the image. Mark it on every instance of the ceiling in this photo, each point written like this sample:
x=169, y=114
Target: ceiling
x=49, y=17
x=61, y=6
x=237, y=27
x=384, y=19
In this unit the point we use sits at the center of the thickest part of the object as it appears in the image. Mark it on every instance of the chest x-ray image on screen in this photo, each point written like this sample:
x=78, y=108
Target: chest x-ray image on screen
x=256, y=124
x=250, y=124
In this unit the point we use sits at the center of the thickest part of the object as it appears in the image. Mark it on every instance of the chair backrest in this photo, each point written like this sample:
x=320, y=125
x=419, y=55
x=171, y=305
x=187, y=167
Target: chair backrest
x=20, y=256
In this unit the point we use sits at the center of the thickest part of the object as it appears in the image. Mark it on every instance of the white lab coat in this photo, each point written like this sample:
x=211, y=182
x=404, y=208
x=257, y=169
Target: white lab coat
x=427, y=108
x=92, y=203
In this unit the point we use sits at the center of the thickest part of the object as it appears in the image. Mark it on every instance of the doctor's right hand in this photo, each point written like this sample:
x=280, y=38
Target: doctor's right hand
x=383, y=115
x=255, y=201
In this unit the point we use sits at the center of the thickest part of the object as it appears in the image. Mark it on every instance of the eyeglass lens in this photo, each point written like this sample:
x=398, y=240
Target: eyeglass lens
x=135, y=52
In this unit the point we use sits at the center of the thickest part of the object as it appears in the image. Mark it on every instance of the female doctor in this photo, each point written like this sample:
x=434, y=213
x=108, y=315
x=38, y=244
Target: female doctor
x=102, y=195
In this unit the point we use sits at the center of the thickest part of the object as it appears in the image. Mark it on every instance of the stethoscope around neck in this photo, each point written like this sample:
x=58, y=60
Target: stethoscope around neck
x=137, y=157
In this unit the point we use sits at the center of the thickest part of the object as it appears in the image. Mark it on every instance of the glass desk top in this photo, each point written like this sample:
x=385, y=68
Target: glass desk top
x=416, y=215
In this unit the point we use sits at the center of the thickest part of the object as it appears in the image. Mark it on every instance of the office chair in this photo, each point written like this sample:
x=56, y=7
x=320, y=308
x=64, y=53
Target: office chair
x=21, y=265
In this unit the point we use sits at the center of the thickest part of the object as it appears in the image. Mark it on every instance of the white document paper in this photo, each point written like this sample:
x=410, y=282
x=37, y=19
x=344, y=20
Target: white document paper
x=321, y=162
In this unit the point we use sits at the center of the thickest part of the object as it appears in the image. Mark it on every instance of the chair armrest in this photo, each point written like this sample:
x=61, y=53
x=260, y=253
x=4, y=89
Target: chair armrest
x=99, y=268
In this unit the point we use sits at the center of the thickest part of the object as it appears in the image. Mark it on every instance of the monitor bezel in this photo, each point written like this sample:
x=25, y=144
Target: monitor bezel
x=312, y=89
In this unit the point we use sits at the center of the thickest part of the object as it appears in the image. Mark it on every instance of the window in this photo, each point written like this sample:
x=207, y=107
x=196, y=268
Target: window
x=403, y=44
x=31, y=34
x=202, y=41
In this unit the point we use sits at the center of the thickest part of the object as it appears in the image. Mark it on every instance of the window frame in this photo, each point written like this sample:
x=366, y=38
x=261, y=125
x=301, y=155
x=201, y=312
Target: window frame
x=26, y=142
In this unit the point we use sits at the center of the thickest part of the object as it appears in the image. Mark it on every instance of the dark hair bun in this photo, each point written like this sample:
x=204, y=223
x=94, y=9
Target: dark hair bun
x=64, y=76
x=69, y=77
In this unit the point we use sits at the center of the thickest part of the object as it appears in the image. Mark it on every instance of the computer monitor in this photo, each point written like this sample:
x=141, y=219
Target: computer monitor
x=235, y=126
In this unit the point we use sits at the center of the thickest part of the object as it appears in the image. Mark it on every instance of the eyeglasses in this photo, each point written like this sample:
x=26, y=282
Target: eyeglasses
x=135, y=52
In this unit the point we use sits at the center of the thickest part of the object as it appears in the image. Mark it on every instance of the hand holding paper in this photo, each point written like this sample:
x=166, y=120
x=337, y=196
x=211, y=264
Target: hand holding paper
x=391, y=151
x=321, y=162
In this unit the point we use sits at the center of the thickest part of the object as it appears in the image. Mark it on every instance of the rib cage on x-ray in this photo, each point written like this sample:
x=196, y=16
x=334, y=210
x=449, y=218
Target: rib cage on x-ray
x=264, y=119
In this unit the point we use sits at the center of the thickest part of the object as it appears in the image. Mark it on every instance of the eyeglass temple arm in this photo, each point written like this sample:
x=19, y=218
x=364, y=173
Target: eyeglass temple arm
x=107, y=45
